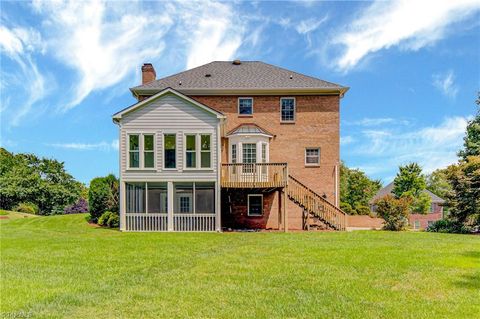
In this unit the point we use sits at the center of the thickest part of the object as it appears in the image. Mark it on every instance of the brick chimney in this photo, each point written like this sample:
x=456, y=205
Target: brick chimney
x=148, y=73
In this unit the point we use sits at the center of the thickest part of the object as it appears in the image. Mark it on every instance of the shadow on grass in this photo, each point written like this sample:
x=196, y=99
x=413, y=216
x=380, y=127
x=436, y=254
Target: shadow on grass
x=471, y=281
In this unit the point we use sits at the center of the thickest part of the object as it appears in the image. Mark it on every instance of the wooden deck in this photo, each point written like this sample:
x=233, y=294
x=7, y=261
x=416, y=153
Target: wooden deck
x=254, y=175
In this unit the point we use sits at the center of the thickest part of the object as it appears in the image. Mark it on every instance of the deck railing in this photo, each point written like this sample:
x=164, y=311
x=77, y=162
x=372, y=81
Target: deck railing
x=315, y=204
x=254, y=175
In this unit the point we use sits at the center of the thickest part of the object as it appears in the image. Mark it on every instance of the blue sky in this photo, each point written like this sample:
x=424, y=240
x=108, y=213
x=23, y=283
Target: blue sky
x=413, y=68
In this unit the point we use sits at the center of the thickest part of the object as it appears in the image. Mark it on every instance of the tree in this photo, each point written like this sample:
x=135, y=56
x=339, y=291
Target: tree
x=394, y=211
x=410, y=183
x=471, y=141
x=103, y=196
x=464, y=200
x=41, y=181
x=437, y=183
x=356, y=190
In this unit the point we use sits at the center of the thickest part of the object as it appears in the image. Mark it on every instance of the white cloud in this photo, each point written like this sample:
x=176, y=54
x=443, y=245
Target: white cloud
x=446, y=83
x=411, y=24
x=102, y=146
x=432, y=147
x=377, y=121
x=345, y=140
x=213, y=31
x=309, y=25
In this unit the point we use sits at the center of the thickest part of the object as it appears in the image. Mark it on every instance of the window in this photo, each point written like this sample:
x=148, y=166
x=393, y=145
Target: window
x=205, y=153
x=191, y=154
x=134, y=151
x=234, y=153
x=287, y=109
x=148, y=151
x=249, y=153
x=245, y=106
x=416, y=224
x=169, y=149
x=157, y=198
x=430, y=223
x=255, y=205
x=264, y=158
x=312, y=156
x=431, y=208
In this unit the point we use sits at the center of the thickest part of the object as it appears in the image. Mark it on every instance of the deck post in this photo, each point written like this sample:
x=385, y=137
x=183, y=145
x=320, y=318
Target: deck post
x=284, y=207
x=123, y=219
x=170, y=206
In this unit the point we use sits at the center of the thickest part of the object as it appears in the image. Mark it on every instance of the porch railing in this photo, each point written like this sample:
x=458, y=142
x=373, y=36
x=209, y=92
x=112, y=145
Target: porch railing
x=254, y=175
x=194, y=222
x=145, y=222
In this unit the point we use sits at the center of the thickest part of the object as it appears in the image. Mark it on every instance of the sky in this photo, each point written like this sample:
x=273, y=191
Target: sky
x=413, y=68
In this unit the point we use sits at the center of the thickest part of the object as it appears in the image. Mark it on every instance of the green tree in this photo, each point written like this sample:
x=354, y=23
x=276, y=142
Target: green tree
x=437, y=183
x=103, y=196
x=410, y=183
x=471, y=141
x=356, y=190
x=394, y=211
x=41, y=181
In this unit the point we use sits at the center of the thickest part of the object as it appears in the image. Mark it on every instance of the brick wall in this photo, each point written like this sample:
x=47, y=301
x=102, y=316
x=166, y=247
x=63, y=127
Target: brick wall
x=316, y=125
x=435, y=215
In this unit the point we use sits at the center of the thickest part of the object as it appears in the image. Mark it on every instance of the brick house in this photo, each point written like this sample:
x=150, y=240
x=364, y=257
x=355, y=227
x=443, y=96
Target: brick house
x=230, y=144
x=417, y=221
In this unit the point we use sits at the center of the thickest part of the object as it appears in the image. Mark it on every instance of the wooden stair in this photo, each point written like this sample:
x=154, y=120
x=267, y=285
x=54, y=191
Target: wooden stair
x=315, y=207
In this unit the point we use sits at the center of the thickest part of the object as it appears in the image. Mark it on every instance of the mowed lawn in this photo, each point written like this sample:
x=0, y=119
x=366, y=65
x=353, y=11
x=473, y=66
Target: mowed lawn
x=61, y=267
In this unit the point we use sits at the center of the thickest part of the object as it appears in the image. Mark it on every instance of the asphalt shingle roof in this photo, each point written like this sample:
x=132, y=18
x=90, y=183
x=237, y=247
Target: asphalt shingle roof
x=388, y=190
x=247, y=75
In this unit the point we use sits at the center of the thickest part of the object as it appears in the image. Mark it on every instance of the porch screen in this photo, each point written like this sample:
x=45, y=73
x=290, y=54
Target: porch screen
x=183, y=198
x=204, y=198
x=135, y=197
x=157, y=198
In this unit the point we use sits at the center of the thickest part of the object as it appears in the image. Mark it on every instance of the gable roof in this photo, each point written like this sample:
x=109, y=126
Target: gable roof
x=248, y=76
x=249, y=129
x=387, y=190
x=117, y=116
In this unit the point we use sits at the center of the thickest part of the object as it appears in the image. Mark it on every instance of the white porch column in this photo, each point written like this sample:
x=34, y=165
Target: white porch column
x=123, y=219
x=170, y=202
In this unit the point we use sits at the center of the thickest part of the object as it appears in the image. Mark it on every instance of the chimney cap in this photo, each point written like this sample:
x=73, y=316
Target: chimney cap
x=236, y=62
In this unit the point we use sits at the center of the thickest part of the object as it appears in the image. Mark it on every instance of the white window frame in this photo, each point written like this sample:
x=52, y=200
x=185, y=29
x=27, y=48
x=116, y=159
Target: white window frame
x=163, y=152
x=319, y=156
x=294, y=109
x=238, y=105
x=198, y=152
x=141, y=151
x=248, y=204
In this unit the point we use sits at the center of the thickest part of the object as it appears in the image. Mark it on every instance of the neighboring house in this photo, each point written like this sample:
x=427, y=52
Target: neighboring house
x=230, y=145
x=416, y=221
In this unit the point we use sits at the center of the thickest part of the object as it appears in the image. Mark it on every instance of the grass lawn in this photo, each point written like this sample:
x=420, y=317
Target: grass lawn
x=60, y=267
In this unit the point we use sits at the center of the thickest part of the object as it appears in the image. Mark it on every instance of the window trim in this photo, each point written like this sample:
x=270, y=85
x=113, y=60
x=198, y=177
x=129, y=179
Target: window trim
x=319, y=156
x=238, y=106
x=141, y=151
x=248, y=204
x=294, y=109
x=198, y=152
x=163, y=152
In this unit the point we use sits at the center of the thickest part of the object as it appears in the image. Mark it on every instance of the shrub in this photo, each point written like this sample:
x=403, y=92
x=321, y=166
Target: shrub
x=394, y=211
x=81, y=206
x=103, y=196
x=27, y=208
x=448, y=226
x=347, y=208
x=109, y=219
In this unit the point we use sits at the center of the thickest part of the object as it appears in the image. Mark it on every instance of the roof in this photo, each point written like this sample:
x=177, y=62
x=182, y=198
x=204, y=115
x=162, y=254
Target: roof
x=249, y=128
x=247, y=76
x=387, y=190
x=135, y=106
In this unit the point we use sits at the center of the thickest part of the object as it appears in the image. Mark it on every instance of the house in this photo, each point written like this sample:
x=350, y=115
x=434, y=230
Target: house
x=230, y=145
x=416, y=221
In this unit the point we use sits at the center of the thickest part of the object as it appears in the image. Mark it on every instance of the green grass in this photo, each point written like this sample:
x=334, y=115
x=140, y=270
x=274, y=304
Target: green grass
x=61, y=267
x=15, y=215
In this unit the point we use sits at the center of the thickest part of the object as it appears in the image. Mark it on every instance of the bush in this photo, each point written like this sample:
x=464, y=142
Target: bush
x=80, y=207
x=109, y=219
x=394, y=211
x=27, y=208
x=347, y=208
x=103, y=196
x=448, y=226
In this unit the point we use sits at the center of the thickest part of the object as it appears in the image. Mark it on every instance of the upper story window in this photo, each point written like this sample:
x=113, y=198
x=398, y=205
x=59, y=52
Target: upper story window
x=198, y=151
x=312, y=156
x=141, y=151
x=245, y=106
x=287, y=109
x=170, y=151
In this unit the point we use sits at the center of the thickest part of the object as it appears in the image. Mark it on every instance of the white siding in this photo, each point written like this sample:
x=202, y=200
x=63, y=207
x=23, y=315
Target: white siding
x=168, y=114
